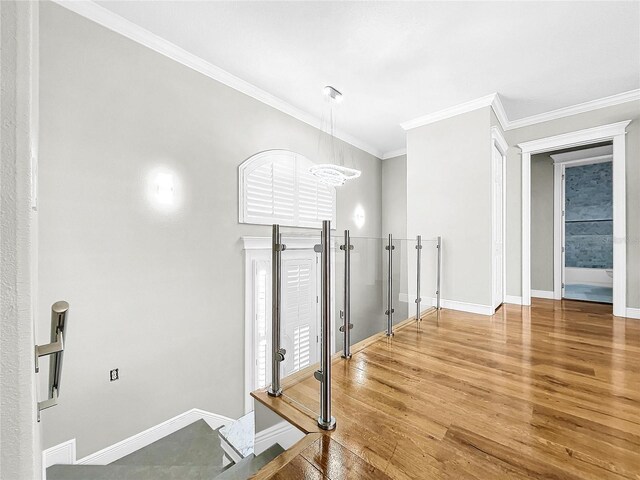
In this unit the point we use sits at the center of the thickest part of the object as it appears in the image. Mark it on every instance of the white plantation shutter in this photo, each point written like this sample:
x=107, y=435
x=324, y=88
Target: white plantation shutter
x=299, y=316
x=262, y=322
x=276, y=187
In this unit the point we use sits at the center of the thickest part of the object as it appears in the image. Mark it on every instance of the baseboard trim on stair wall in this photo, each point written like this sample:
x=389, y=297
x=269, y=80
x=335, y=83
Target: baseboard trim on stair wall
x=61, y=454
x=65, y=453
x=283, y=433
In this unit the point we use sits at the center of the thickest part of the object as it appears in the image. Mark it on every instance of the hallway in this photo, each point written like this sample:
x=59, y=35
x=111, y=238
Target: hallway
x=548, y=391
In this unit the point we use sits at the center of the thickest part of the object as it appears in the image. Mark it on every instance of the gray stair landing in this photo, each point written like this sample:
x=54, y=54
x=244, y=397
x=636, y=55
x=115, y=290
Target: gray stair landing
x=191, y=453
x=131, y=472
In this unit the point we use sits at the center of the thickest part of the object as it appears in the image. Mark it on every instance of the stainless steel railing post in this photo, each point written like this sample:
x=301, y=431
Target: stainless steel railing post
x=278, y=353
x=438, y=275
x=389, y=312
x=418, y=262
x=346, y=313
x=325, y=420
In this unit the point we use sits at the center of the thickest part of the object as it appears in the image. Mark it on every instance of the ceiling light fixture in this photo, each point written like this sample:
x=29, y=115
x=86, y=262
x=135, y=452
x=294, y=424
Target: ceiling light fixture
x=335, y=173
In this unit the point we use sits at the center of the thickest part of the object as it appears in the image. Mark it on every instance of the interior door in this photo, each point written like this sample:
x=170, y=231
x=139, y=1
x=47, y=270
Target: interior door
x=299, y=310
x=498, y=226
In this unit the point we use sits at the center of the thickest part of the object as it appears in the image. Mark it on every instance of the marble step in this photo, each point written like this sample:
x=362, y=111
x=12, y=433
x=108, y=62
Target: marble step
x=248, y=466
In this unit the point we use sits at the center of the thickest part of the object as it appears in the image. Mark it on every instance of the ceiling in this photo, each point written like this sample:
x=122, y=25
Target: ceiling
x=395, y=61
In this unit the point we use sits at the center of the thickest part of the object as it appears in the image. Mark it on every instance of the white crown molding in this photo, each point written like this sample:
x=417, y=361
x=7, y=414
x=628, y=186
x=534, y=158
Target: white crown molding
x=566, y=140
x=459, y=109
x=494, y=101
x=630, y=96
x=500, y=112
x=118, y=24
x=394, y=154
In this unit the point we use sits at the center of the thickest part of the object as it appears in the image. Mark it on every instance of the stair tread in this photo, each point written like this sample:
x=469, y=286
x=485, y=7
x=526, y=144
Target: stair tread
x=250, y=465
x=196, y=444
x=132, y=472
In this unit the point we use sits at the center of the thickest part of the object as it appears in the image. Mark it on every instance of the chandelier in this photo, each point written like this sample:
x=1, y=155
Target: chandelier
x=336, y=173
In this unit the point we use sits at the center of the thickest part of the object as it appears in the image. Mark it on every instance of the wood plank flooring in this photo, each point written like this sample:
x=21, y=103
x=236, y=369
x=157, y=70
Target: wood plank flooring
x=550, y=391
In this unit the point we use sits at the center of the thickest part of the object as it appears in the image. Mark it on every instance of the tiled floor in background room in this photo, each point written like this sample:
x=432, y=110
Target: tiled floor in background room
x=591, y=293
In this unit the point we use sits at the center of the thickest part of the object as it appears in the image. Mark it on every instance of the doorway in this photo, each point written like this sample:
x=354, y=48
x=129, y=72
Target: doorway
x=614, y=133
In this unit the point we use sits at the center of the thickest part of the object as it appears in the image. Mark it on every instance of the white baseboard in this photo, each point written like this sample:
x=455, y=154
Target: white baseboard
x=65, y=453
x=468, y=307
x=513, y=299
x=61, y=454
x=462, y=306
x=633, y=312
x=282, y=433
x=542, y=294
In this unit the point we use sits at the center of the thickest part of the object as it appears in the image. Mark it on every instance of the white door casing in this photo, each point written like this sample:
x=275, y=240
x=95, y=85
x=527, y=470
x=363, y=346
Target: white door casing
x=498, y=154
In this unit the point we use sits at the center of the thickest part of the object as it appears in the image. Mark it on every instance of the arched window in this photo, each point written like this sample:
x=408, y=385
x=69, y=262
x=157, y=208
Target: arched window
x=276, y=187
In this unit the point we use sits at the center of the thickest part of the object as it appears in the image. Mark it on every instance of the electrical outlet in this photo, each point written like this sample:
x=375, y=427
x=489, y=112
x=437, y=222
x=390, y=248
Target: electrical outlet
x=113, y=375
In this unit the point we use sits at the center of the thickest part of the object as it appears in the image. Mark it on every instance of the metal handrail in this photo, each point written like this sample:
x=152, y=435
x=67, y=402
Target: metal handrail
x=59, y=313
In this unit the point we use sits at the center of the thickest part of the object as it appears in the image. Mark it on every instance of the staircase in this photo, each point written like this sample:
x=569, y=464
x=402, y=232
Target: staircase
x=192, y=453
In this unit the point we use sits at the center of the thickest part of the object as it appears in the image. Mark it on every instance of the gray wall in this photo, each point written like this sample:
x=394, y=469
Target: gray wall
x=158, y=296
x=602, y=116
x=394, y=196
x=394, y=221
x=542, y=222
x=449, y=194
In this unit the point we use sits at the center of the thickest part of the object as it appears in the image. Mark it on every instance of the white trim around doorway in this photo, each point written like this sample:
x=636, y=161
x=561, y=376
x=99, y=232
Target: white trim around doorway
x=614, y=132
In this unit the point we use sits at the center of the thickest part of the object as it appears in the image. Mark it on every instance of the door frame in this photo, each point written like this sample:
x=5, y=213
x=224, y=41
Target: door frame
x=498, y=140
x=614, y=132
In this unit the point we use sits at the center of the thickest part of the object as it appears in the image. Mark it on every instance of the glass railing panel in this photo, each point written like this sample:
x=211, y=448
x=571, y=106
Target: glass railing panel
x=368, y=287
x=404, y=253
x=428, y=274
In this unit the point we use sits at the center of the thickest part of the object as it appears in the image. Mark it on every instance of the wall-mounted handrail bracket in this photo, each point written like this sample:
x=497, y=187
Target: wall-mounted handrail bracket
x=59, y=313
x=49, y=349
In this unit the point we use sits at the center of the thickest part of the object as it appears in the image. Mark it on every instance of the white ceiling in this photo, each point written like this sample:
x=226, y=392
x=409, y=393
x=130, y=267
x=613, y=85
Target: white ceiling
x=395, y=61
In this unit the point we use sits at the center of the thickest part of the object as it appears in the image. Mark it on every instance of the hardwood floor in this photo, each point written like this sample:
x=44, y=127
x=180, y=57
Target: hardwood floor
x=551, y=391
